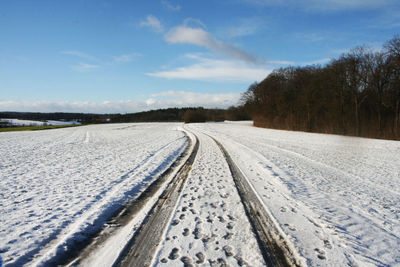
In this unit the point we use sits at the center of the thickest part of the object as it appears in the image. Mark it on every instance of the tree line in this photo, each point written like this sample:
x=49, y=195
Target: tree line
x=188, y=114
x=356, y=94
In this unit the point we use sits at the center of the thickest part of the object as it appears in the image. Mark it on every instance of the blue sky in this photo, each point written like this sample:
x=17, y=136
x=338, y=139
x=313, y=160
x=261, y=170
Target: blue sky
x=129, y=56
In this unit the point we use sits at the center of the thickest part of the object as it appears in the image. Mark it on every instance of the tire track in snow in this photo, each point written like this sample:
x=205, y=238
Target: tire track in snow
x=80, y=233
x=341, y=223
x=141, y=249
x=276, y=250
x=209, y=225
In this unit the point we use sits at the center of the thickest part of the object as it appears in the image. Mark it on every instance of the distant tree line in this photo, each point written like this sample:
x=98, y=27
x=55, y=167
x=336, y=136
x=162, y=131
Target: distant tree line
x=357, y=94
x=188, y=114
x=56, y=116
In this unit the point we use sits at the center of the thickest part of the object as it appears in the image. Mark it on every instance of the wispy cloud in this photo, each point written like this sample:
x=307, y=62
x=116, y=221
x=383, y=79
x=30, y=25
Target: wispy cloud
x=125, y=58
x=198, y=36
x=193, y=22
x=281, y=62
x=245, y=27
x=311, y=37
x=93, y=63
x=167, y=99
x=321, y=61
x=78, y=54
x=84, y=67
x=325, y=5
x=153, y=23
x=170, y=6
x=214, y=70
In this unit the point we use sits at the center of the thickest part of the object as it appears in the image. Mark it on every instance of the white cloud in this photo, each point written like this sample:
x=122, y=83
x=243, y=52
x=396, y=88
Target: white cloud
x=167, y=99
x=153, y=23
x=214, y=70
x=199, y=37
x=170, y=6
x=85, y=67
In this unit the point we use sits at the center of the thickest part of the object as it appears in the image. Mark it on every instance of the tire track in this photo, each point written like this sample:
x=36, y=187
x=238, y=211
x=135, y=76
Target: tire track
x=141, y=249
x=94, y=239
x=143, y=246
x=274, y=247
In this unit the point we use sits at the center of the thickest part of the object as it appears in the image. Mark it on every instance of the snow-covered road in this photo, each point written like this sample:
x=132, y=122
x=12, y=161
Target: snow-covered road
x=58, y=185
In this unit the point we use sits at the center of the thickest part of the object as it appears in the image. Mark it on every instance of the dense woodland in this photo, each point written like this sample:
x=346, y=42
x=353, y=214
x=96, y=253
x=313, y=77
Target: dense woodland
x=357, y=94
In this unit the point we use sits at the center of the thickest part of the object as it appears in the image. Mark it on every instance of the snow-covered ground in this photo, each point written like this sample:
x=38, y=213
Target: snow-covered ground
x=57, y=184
x=336, y=198
x=209, y=226
x=18, y=122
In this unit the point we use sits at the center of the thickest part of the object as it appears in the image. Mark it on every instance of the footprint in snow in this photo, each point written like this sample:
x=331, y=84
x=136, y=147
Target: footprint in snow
x=327, y=244
x=200, y=256
x=227, y=236
x=175, y=222
x=193, y=211
x=197, y=233
x=241, y=261
x=187, y=262
x=185, y=232
x=321, y=253
x=228, y=250
x=290, y=227
x=208, y=239
x=231, y=218
x=174, y=254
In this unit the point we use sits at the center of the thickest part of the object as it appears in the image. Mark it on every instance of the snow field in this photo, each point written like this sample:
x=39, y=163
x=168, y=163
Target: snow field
x=17, y=122
x=59, y=185
x=209, y=226
x=336, y=198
